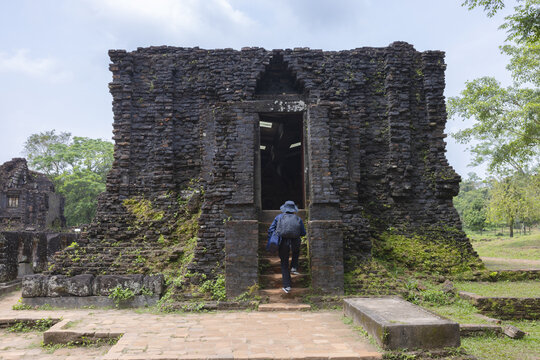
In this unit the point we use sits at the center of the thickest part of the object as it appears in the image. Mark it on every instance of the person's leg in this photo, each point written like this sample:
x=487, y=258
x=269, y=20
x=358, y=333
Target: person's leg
x=295, y=247
x=284, y=250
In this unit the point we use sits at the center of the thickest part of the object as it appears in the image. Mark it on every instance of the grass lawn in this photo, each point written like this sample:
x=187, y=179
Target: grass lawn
x=519, y=289
x=491, y=347
x=525, y=247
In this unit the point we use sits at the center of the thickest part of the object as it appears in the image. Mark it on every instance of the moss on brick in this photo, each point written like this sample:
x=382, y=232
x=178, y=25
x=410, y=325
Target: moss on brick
x=435, y=251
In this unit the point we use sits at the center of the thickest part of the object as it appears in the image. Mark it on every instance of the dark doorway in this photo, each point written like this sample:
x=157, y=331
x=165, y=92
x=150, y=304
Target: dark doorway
x=282, y=165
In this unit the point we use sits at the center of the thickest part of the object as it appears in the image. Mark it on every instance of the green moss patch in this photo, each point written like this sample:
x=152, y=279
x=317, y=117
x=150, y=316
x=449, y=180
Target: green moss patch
x=435, y=251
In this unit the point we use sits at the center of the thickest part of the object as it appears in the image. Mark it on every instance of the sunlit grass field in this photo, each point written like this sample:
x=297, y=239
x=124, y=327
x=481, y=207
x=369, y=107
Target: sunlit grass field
x=519, y=289
x=503, y=252
x=518, y=247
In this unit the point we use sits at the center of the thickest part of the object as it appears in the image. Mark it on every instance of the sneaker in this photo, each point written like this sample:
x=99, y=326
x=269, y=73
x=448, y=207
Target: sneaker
x=286, y=289
x=294, y=271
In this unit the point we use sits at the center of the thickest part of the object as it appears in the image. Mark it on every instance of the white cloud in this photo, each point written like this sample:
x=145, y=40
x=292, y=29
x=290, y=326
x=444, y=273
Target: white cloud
x=22, y=63
x=173, y=16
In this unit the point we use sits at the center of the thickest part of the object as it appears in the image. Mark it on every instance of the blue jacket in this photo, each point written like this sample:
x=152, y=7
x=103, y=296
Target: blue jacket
x=272, y=229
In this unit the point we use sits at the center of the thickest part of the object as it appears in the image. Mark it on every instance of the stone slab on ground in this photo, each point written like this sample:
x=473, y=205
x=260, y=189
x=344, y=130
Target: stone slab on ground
x=216, y=335
x=76, y=302
x=60, y=333
x=9, y=286
x=398, y=324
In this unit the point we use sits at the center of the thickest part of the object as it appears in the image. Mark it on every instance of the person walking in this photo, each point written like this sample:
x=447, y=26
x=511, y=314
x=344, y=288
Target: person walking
x=288, y=227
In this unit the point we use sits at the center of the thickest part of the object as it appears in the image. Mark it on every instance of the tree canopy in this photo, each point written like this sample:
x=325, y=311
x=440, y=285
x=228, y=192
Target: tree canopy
x=506, y=129
x=78, y=167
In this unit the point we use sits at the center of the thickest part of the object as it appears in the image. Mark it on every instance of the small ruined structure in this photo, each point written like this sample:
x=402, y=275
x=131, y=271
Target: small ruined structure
x=27, y=199
x=356, y=138
x=30, y=212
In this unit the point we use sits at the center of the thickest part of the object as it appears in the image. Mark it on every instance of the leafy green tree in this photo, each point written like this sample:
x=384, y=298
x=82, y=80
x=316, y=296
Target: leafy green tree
x=522, y=25
x=81, y=189
x=515, y=199
x=471, y=203
x=506, y=203
x=41, y=151
x=506, y=131
x=77, y=166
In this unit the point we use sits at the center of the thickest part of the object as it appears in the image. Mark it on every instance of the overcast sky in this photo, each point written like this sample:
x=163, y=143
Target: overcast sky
x=54, y=63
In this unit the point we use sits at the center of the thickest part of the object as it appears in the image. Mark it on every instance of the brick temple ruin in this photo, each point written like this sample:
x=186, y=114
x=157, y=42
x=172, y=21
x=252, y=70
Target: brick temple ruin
x=27, y=199
x=356, y=138
x=31, y=214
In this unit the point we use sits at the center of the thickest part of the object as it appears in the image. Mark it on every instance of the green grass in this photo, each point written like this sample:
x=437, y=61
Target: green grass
x=526, y=247
x=519, y=289
x=460, y=311
x=491, y=347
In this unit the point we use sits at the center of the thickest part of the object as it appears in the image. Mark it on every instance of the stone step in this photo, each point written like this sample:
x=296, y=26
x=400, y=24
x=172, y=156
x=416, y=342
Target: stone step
x=274, y=280
x=284, y=307
x=263, y=252
x=279, y=296
x=272, y=265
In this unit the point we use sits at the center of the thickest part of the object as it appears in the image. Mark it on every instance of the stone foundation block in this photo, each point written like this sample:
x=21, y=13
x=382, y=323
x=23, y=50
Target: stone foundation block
x=398, y=324
x=34, y=286
x=104, y=284
x=61, y=285
x=86, y=285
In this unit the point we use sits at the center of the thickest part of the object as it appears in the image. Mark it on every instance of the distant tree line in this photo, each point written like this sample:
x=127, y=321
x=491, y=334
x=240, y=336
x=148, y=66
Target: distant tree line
x=512, y=202
x=77, y=166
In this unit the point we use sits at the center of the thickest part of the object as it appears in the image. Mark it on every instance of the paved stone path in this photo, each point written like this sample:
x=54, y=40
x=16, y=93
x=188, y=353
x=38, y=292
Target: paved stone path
x=219, y=335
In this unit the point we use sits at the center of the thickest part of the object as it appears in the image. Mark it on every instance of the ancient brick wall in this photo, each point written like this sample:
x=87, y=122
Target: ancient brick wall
x=374, y=121
x=27, y=199
x=29, y=252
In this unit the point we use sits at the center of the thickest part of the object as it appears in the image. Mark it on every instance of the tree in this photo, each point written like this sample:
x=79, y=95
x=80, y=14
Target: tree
x=81, y=190
x=522, y=25
x=508, y=202
x=506, y=131
x=77, y=166
x=471, y=203
x=41, y=151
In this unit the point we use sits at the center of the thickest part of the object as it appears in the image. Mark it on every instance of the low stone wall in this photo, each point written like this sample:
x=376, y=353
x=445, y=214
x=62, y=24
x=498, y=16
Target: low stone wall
x=515, y=275
x=27, y=252
x=505, y=307
x=89, y=285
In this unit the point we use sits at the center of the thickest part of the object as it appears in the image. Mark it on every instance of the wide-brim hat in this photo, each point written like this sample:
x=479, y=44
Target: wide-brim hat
x=289, y=206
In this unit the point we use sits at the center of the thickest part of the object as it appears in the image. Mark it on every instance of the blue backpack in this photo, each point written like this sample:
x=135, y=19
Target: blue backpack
x=289, y=226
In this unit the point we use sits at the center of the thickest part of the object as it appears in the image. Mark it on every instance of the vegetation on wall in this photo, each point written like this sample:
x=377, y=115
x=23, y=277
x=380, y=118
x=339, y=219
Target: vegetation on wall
x=174, y=233
x=434, y=252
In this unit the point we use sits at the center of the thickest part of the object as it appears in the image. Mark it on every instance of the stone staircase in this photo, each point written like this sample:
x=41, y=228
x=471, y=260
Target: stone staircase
x=270, y=272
